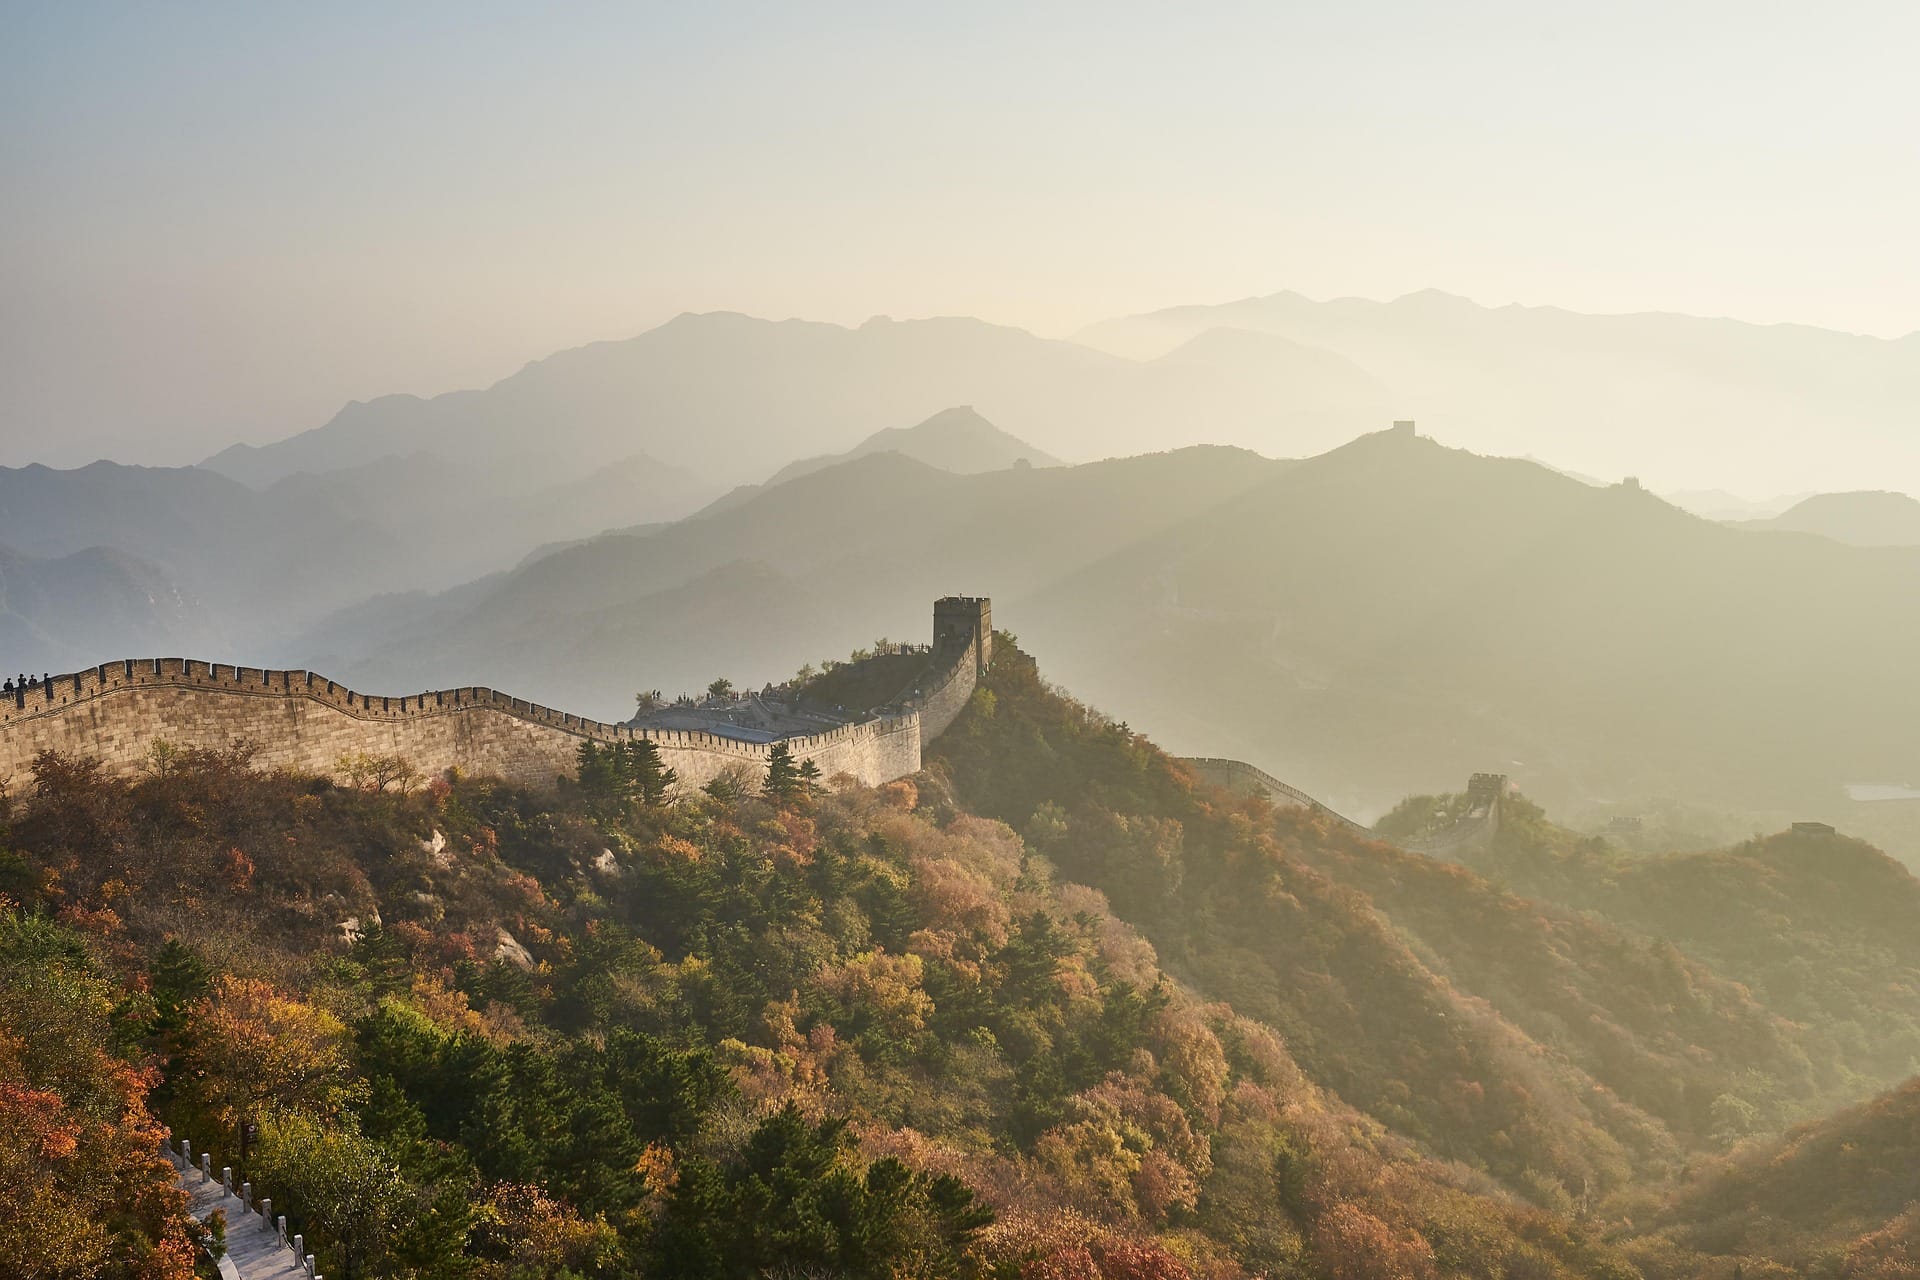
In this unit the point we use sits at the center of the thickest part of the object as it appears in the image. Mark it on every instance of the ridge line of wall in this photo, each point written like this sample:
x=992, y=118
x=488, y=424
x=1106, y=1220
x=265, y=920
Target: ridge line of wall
x=1239, y=776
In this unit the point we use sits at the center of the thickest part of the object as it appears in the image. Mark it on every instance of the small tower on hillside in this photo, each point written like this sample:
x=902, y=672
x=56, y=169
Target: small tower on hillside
x=960, y=620
x=1403, y=426
x=1485, y=789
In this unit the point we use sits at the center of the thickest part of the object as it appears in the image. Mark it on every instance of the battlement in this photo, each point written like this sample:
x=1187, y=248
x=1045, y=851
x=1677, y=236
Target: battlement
x=303, y=720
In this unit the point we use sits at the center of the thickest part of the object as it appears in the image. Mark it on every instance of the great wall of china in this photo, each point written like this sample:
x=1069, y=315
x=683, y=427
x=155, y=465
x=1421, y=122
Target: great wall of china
x=1485, y=791
x=303, y=721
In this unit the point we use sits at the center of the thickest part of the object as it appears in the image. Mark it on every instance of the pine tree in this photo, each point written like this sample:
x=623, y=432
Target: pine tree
x=783, y=775
x=179, y=976
x=598, y=770
x=651, y=777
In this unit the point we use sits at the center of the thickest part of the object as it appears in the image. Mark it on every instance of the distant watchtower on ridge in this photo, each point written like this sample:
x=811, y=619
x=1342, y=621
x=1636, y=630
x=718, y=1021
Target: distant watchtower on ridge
x=1485, y=789
x=958, y=620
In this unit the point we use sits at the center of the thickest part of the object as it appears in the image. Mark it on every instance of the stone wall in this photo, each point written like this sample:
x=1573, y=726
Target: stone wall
x=305, y=722
x=1473, y=831
x=954, y=676
x=1244, y=779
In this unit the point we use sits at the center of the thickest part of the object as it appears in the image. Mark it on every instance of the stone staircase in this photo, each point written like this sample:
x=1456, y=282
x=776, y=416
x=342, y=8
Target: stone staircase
x=257, y=1244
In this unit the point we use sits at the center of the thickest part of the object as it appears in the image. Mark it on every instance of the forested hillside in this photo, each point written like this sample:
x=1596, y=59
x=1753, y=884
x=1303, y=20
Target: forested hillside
x=1048, y=1010
x=1840, y=1198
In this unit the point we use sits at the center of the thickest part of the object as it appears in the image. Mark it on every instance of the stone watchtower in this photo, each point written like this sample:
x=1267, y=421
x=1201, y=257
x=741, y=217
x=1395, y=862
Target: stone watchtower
x=1486, y=789
x=960, y=620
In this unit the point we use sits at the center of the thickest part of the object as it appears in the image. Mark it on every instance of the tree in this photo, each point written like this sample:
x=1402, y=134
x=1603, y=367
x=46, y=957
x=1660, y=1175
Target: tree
x=652, y=779
x=597, y=771
x=341, y=1184
x=783, y=775
x=179, y=978
x=520, y=1231
x=368, y=772
x=253, y=1045
x=720, y=688
x=732, y=782
x=83, y=1189
x=625, y=771
x=796, y=1201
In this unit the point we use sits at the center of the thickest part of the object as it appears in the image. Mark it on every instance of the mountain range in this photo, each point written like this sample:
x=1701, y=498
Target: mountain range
x=1703, y=402
x=1706, y=402
x=730, y=397
x=1374, y=621
x=248, y=568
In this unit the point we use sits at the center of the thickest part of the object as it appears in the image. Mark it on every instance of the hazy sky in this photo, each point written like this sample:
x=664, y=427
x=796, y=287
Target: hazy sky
x=219, y=222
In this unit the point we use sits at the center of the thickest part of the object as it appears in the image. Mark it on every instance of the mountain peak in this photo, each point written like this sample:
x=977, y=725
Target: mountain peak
x=956, y=439
x=1437, y=299
x=1864, y=518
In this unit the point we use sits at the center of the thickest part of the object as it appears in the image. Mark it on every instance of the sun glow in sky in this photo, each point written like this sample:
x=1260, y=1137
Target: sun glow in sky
x=221, y=221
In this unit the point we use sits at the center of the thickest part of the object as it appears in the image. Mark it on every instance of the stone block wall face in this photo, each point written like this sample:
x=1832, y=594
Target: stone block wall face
x=947, y=697
x=304, y=722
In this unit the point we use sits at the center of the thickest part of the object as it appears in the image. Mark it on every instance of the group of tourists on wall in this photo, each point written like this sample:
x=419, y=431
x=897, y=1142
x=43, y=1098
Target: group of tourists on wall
x=23, y=682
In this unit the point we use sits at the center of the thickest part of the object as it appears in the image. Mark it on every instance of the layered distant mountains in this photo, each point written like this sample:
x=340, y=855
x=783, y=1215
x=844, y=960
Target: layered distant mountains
x=1701, y=402
x=1687, y=401
x=1395, y=604
x=726, y=495
x=732, y=398
x=1377, y=620
x=793, y=572
x=240, y=571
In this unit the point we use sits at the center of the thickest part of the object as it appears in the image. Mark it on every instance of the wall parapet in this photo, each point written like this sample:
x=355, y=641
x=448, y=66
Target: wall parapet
x=52, y=696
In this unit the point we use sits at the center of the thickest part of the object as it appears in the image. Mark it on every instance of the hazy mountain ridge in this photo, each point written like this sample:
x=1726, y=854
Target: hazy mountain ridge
x=725, y=395
x=1869, y=518
x=60, y=613
x=857, y=540
x=1418, y=608
x=261, y=564
x=957, y=440
x=1705, y=401
x=1379, y=620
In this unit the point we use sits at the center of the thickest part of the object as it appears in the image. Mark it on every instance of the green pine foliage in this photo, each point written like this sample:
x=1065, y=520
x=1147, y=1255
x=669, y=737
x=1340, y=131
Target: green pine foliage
x=629, y=772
